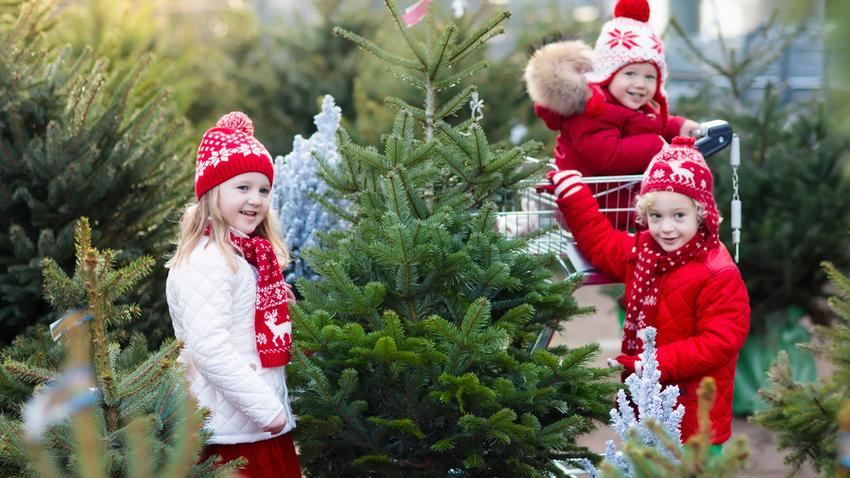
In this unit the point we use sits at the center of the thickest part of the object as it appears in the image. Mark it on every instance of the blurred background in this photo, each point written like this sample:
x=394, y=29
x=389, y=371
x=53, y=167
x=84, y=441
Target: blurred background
x=776, y=70
x=119, y=93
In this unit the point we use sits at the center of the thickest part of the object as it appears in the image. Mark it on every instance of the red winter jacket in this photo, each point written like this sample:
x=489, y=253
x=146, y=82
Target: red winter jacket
x=614, y=141
x=703, y=311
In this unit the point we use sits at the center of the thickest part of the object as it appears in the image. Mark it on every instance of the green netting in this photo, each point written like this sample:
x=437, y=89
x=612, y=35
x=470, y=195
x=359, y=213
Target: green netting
x=759, y=352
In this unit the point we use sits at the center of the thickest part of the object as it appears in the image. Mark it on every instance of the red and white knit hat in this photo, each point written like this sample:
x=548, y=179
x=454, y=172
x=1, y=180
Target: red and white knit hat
x=230, y=149
x=627, y=39
x=680, y=168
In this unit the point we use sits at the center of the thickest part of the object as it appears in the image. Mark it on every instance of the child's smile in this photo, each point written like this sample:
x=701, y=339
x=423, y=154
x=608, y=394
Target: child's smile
x=634, y=85
x=244, y=201
x=673, y=220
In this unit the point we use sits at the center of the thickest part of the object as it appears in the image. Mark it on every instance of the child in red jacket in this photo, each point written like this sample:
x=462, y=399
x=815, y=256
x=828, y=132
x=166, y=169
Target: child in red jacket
x=600, y=102
x=679, y=277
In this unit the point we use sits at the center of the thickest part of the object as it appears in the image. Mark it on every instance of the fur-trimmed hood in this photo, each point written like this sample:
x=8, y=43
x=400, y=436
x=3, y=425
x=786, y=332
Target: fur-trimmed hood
x=554, y=77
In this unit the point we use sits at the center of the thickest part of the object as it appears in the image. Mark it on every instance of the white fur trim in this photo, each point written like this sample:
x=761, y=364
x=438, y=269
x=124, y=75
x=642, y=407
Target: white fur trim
x=554, y=76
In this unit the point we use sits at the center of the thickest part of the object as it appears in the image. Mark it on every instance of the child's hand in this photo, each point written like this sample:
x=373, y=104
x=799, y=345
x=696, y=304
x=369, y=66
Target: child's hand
x=277, y=424
x=567, y=182
x=632, y=363
x=689, y=128
x=290, y=296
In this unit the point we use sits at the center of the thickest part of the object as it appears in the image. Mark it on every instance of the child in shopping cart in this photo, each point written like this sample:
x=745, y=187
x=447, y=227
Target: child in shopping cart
x=679, y=277
x=600, y=102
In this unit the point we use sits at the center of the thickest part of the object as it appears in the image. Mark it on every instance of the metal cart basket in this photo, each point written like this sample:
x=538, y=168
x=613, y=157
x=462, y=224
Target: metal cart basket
x=530, y=210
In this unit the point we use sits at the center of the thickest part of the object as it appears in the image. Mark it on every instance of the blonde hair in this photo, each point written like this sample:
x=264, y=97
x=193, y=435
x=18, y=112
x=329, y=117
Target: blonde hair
x=645, y=201
x=207, y=211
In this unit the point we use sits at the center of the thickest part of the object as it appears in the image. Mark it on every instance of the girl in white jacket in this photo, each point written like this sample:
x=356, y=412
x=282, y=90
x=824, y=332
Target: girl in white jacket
x=228, y=303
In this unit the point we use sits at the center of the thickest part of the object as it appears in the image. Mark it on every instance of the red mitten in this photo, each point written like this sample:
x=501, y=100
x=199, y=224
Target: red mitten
x=567, y=182
x=632, y=363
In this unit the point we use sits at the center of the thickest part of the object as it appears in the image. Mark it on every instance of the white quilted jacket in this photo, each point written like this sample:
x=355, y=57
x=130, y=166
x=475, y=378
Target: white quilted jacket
x=212, y=310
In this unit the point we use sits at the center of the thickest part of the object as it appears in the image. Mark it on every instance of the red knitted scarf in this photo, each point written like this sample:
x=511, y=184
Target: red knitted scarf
x=271, y=314
x=651, y=264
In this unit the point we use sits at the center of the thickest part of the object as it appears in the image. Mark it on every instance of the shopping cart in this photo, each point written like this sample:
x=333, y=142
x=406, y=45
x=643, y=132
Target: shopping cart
x=530, y=210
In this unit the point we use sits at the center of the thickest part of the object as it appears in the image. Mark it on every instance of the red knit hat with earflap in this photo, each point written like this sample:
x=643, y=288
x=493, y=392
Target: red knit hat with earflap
x=679, y=167
x=230, y=149
x=627, y=39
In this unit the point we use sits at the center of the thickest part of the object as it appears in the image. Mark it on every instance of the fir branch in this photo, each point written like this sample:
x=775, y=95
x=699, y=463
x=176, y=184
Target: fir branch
x=414, y=81
x=511, y=158
x=28, y=374
x=417, y=112
x=398, y=144
x=185, y=442
x=479, y=37
x=376, y=50
x=438, y=54
x=480, y=146
x=394, y=150
x=395, y=199
x=841, y=282
x=334, y=208
x=456, y=79
x=457, y=102
x=139, y=460
x=368, y=156
x=454, y=161
x=402, y=425
x=515, y=178
x=457, y=139
x=61, y=291
x=417, y=204
x=414, y=46
x=120, y=282
x=443, y=445
x=151, y=371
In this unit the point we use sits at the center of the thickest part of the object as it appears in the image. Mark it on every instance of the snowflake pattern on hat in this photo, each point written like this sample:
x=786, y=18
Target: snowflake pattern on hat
x=230, y=149
x=628, y=38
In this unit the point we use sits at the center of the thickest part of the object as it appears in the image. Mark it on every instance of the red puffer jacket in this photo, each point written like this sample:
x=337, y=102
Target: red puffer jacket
x=614, y=141
x=703, y=311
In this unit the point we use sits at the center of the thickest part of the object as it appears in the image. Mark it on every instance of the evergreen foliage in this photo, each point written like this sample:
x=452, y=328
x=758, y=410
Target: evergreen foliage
x=794, y=180
x=804, y=416
x=508, y=113
x=421, y=326
x=282, y=68
x=193, y=60
x=300, y=197
x=78, y=137
x=143, y=399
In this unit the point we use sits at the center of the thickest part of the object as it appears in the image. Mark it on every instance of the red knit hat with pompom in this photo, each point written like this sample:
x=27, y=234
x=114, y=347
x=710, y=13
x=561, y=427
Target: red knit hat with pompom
x=679, y=167
x=230, y=149
x=624, y=40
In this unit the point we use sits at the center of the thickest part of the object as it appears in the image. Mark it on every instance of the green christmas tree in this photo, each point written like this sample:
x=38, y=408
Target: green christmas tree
x=78, y=137
x=792, y=179
x=804, y=416
x=420, y=331
x=142, y=424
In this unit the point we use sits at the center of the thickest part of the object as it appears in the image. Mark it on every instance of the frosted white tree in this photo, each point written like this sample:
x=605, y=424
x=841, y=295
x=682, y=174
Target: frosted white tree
x=652, y=403
x=298, y=186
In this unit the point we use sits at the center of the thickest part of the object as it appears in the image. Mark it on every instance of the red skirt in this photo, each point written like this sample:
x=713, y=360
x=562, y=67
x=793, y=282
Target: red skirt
x=274, y=457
